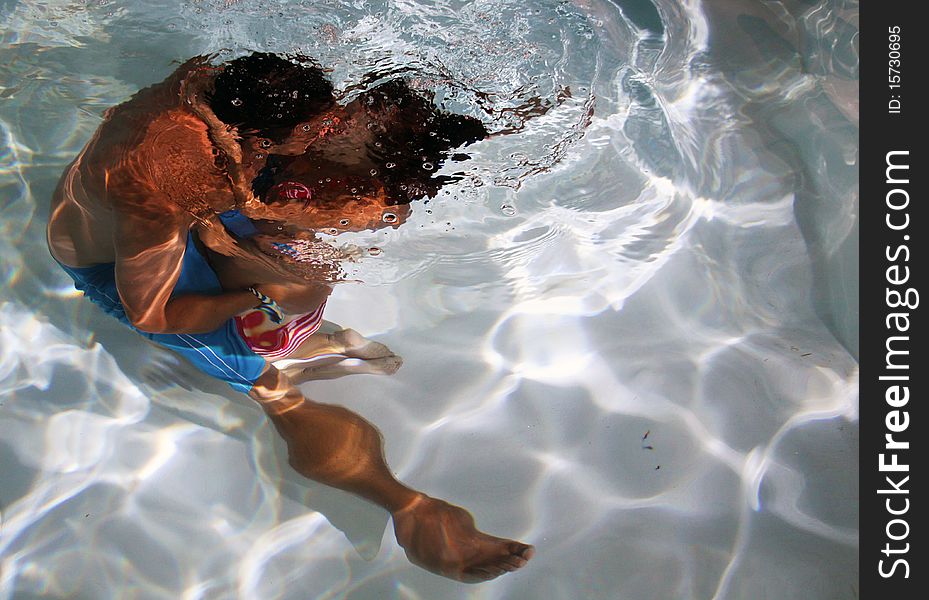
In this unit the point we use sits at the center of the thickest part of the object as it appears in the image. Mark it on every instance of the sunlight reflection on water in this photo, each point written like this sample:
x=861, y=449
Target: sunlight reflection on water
x=625, y=331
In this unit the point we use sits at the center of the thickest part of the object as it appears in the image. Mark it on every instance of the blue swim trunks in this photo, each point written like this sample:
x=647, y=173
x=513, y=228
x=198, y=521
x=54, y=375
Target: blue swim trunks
x=221, y=353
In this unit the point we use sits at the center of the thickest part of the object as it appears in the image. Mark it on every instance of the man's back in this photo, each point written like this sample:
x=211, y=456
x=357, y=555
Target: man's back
x=151, y=156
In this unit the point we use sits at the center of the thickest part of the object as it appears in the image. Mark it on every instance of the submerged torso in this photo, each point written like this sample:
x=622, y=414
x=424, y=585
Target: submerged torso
x=151, y=154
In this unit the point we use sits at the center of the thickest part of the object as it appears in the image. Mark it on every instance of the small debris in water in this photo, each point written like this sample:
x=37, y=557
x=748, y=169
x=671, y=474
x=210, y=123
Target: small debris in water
x=644, y=445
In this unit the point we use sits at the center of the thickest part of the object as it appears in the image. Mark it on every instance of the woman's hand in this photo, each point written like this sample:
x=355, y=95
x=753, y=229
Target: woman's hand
x=296, y=298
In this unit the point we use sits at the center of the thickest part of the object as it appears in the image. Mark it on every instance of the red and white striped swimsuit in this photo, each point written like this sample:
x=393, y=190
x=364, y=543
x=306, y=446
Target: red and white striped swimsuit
x=273, y=341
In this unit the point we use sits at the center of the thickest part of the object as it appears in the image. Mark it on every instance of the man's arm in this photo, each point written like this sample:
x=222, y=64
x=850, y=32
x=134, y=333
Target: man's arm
x=150, y=243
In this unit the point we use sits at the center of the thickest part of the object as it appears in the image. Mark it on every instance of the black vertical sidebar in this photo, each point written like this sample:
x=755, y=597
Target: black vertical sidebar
x=894, y=372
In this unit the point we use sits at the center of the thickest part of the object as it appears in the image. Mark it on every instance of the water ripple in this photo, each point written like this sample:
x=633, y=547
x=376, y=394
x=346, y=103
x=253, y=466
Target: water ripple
x=622, y=327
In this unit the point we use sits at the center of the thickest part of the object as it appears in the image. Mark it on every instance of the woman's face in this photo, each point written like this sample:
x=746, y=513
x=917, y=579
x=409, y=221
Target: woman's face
x=310, y=194
x=322, y=178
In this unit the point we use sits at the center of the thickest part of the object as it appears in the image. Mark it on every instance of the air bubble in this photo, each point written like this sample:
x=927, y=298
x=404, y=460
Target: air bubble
x=390, y=165
x=345, y=222
x=508, y=210
x=265, y=143
x=374, y=251
x=390, y=218
x=373, y=171
x=428, y=166
x=236, y=102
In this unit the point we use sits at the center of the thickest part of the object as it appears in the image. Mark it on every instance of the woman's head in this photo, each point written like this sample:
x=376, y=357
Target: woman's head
x=412, y=137
x=385, y=144
x=348, y=163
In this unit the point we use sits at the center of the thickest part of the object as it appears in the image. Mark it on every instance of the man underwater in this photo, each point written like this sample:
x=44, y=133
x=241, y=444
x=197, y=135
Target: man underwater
x=191, y=216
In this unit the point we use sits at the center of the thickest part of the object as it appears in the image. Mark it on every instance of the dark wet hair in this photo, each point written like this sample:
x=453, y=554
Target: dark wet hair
x=411, y=139
x=269, y=94
x=414, y=137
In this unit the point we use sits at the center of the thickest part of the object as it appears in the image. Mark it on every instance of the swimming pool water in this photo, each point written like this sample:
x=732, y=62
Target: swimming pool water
x=629, y=333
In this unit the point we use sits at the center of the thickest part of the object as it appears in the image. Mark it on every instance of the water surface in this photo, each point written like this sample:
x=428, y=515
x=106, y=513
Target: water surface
x=670, y=250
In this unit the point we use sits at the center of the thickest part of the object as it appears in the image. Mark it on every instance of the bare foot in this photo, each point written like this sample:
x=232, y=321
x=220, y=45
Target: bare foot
x=387, y=365
x=355, y=345
x=441, y=538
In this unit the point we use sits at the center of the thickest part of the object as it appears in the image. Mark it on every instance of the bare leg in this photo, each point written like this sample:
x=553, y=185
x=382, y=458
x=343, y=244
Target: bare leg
x=335, y=446
x=334, y=355
x=346, y=342
x=387, y=365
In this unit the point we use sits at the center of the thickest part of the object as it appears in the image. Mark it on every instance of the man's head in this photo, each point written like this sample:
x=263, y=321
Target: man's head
x=268, y=95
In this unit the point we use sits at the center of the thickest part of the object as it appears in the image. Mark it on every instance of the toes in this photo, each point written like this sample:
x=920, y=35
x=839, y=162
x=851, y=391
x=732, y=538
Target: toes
x=511, y=563
x=387, y=365
x=517, y=557
x=523, y=551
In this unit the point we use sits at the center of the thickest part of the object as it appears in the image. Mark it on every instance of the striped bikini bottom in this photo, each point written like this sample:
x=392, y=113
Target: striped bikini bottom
x=274, y=341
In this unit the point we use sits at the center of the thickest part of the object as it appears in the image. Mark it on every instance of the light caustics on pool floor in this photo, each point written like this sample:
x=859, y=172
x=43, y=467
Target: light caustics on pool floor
x=625, y=330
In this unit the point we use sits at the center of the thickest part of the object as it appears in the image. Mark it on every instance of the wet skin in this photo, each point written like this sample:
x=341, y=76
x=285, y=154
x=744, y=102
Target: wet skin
x=160, y=166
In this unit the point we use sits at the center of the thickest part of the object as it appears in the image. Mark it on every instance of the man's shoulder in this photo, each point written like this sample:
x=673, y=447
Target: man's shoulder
x=166, y=153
